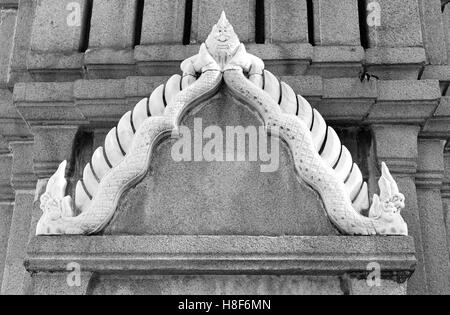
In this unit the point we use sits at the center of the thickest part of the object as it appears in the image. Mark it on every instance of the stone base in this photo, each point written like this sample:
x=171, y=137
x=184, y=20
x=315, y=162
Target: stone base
x=219, y=265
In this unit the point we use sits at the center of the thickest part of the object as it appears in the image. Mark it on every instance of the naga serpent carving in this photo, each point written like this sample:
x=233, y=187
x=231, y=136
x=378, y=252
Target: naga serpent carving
x=319, y=156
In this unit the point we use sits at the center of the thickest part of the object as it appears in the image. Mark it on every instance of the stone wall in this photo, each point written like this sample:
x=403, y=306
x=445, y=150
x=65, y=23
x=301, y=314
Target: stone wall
x=74, y=67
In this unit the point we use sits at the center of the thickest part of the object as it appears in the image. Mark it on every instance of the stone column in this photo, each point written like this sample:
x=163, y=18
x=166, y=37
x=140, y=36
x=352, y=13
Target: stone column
x=434, y=236
x=446, y=192
x=397, y=146
x=111, y=39
x=56, y=39
x=16, y=279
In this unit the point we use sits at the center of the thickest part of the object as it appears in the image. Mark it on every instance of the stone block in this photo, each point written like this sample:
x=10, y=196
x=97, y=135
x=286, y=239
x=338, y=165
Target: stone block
x=113, y=24
x=7, y=25
x=22, y=39
x=336, y=23
x=163, y=22
x=101, y=101
x=52, y=145
x=280, y=11
x=57, y=26
x=240, y=13
x=433, y=31
x=400, y=24
x=405, y=101
x=397, y=146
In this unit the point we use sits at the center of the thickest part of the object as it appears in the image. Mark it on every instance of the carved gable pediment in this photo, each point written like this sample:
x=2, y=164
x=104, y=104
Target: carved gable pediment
x=319, y=159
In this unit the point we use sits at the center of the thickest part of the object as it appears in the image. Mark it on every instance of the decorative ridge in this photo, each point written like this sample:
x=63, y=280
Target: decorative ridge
x=125, y=158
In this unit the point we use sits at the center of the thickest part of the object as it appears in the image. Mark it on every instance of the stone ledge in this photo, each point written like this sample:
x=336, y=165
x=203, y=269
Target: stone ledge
x=222, y=254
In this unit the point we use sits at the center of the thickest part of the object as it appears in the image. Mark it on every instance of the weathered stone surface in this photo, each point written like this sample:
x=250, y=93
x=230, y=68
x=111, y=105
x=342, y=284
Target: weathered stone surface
x=163, y=22
x=217, y=285
x=433, y=31
x=405, y=101
x=397, y=146
x=112, y=24
x=7, y=24
x=241, y=14
x=6, y=211
x=51, y=30
x=336, y=23
x=280, y=11
x=220, y=198
x=22, y=39
x=429, y=183
x=400, y=25
x=387, y=287
x=15, y=276
x=52, y=144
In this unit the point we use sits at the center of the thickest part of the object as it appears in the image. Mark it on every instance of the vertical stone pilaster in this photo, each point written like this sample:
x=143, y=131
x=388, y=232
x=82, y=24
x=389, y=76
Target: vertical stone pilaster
x=433, y=31
x=111, y=39
x=336, y=23
x=446, y=192
x=15, y=278
x=397, y=146
x=434, y=236
x=338, y=52
x=6, y=202
x=7, y=24
x=112, y=24
x=280, y=11
x=22, y=39
x=56, y=39
x=395, y=39
x=163, y=22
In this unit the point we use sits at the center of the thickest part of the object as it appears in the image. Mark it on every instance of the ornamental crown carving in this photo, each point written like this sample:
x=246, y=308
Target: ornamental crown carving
x=223, y=60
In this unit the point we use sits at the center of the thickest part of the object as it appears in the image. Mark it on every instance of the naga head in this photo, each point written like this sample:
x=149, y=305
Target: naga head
x=223, y=42
x=388, y=206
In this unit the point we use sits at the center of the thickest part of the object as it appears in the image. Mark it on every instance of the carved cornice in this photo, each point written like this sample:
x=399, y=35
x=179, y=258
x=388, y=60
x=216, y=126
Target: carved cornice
x=222, y=254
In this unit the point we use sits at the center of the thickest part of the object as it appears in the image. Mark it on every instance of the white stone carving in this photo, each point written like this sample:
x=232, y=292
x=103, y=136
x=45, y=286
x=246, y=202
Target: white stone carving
x=320, y=158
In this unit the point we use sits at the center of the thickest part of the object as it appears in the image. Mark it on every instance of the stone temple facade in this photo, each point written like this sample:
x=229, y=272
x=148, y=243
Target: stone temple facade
x=70, y=71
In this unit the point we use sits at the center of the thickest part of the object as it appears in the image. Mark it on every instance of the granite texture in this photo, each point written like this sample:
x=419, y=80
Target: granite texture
x=400, y=25
x=113, y=24
x=220, y=198
x=51, y=30
x=163, y=22
x=7, y=24
x=336, y=23
x=279, y=11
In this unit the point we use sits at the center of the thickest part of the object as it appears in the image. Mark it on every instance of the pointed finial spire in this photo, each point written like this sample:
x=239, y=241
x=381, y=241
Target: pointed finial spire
x=223, y=21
